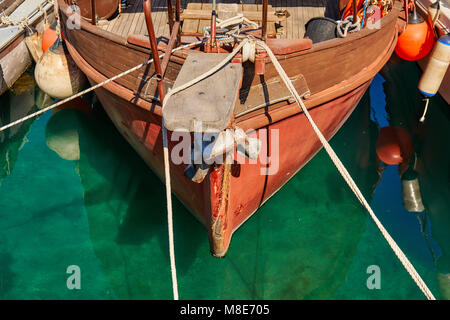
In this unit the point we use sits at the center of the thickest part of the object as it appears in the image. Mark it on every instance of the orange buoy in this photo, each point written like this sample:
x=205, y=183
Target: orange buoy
x=57, y=74
x=417, y=40
x=394, y=145
x=49, y=37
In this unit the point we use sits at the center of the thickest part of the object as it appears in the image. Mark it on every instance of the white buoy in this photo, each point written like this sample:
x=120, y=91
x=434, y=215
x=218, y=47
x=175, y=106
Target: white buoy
x=436, y=67
x=57, y=74
x=412, y=199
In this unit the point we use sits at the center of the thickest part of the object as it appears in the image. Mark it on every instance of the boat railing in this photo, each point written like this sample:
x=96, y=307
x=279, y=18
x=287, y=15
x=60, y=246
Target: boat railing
x=175, y=36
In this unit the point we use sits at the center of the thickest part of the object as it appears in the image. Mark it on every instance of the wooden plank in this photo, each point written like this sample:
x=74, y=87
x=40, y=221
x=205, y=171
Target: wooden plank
x=135, y=23
x=296, y=23
x=227, y=10
x=249, y=7
x=207, y=7
x=204, y=23
x=111, y=24
x=134, y=14
x=210, y=101
x=156, y=16
x=119, y=21
x=206, y=15
x=190, y=26
x=271, y=30
x=267, y=93
x=164, y=27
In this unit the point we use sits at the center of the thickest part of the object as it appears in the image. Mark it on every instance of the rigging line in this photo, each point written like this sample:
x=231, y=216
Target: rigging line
x=347, y=177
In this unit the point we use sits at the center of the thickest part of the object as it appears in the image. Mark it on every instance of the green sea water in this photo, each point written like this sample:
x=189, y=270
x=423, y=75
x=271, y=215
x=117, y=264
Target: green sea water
x=103, y=210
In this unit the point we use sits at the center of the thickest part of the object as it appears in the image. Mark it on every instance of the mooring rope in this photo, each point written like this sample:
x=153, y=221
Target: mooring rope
x=167, y=161
x=101, y=84
x=341, y=168
x=347, y=177
x=7, y=21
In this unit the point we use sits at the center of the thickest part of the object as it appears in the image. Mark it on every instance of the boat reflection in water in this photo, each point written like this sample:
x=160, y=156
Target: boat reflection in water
x=430, y=141
x=15, y=105
x=288, y=253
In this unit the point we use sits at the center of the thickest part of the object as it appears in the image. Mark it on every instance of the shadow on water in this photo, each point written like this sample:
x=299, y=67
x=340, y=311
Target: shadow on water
x=6, y=274
x=124, y=200
x=12, y=107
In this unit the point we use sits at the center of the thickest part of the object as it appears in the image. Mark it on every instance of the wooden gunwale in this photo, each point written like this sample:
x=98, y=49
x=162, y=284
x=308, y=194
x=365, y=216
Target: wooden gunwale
x=87, y=26
x=253, y=119
x=281, y=110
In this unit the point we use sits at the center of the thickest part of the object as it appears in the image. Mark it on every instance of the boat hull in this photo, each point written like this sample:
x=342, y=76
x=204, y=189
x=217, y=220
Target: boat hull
x=231, y=193
x=444, y=19
x=244, y=186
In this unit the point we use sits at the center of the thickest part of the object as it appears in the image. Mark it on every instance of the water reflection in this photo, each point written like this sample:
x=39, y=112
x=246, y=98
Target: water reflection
x=13, y=106
x=312, y=240
x=430, y=141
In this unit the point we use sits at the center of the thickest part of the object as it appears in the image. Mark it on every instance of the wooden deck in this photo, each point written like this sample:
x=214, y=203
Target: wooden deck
x=291, y=26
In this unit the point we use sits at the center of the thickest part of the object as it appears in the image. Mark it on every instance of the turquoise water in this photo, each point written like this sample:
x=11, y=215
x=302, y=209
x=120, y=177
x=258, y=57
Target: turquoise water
x=72, y=192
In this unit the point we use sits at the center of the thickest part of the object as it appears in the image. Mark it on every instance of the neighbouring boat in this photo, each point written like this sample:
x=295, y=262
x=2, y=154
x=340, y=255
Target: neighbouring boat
x=331, y=75
x=18, y=18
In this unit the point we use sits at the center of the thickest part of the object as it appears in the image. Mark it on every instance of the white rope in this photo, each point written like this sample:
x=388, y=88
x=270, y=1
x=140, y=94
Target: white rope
x=422, y=119
x=167, y=162
x=347, y=177
x=173, y=267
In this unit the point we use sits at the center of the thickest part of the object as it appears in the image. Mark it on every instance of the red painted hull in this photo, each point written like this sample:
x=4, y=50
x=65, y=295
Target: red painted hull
x=249, y=186
x=337, y=73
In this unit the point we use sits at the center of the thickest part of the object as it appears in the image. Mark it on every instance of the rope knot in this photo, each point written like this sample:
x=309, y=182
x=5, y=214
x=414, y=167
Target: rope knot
x=345, y=26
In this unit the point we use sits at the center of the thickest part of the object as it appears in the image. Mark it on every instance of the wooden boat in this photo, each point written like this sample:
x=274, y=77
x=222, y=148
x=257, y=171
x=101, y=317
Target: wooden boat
x=14, y=55
x=331, y=75
x=442, y=27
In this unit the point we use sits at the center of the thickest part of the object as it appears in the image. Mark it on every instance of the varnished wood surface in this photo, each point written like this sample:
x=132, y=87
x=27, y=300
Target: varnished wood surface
x=324, y=66
x=337, y=72
x=132, y=21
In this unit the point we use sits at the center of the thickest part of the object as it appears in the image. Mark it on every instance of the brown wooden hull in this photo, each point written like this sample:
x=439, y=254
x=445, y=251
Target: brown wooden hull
x=230, y=194
x=248, y=187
